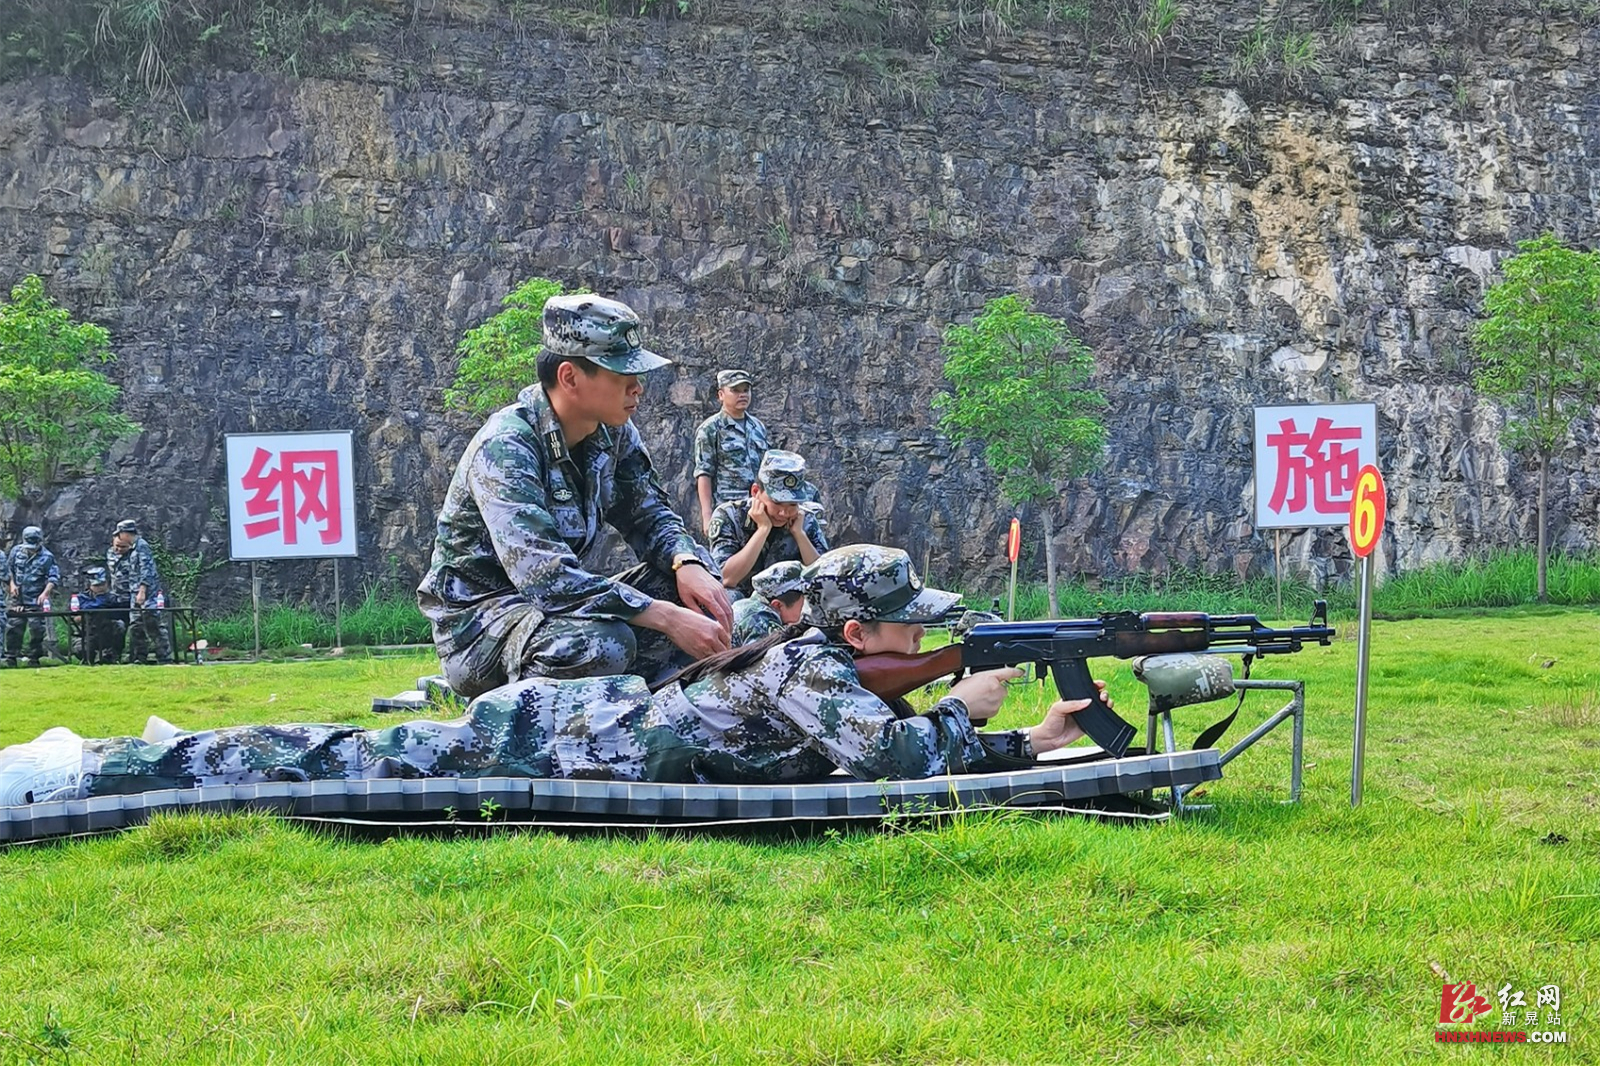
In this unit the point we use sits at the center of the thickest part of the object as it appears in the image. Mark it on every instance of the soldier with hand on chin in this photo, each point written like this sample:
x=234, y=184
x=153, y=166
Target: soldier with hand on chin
x=774, y=523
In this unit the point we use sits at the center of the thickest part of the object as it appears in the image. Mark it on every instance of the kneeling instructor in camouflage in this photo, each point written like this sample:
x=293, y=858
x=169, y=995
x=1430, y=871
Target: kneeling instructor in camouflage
x=512, y=592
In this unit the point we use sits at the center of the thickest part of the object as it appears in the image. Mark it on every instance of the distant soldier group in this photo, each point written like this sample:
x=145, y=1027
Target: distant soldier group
x=123, y=598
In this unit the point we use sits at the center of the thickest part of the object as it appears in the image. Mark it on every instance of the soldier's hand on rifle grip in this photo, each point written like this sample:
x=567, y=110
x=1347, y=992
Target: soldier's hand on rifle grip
x=1058, y=728
x=984, y=692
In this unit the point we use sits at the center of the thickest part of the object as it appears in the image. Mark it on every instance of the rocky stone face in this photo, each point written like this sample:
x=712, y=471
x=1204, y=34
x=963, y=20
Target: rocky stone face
x=301, y=255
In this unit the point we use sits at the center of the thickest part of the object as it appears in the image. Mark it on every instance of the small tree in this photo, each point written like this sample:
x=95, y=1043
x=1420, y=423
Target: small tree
x=498, y=358
x=1022, y=390
x=57, y=416
x=1539, y=352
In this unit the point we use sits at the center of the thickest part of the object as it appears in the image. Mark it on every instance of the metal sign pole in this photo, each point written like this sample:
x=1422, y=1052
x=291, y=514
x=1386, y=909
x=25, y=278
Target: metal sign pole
x=1368, y=508
x=1277, y=565
x=1363, y=646
x=255, y=604
x=338, y=603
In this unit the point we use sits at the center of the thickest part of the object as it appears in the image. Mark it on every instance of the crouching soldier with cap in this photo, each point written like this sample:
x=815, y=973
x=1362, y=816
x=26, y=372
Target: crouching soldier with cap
x=773, y=523
x=136, y=584
x=512, y=590
x=776, y=599
x=34, y=575
x=102, y=625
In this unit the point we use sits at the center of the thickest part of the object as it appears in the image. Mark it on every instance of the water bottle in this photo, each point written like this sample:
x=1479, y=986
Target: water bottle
x=74, y=603
x=45, y=606
x=161, y=600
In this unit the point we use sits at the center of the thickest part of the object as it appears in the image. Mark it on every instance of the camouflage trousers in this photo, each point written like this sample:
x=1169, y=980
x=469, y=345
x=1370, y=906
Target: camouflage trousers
x=149, y=630
x=37, y=632
x=608, y=728
x=520, y=641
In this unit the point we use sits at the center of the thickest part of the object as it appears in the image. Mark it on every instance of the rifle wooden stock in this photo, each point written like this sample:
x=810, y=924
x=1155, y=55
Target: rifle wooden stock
x=889, y=676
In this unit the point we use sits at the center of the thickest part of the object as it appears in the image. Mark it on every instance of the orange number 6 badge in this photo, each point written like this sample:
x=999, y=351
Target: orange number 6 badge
x=1367, y=510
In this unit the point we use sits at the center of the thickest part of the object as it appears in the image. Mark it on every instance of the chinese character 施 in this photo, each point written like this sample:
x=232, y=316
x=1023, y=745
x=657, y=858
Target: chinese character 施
x=1314, y=469
x=303, y=488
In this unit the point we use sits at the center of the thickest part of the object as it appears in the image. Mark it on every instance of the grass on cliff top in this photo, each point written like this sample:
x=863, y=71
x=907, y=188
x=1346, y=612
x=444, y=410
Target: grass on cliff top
x=1258, y=933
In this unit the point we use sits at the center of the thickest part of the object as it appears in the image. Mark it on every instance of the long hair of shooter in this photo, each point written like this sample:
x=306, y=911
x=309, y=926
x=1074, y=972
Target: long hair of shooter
x=735, y=659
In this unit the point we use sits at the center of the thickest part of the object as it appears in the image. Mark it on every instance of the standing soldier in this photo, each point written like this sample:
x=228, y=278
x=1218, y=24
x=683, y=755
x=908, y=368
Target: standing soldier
x=773, y=523
x=512, y=591
x=34, y=575
x=135, y=582
x=728, y=447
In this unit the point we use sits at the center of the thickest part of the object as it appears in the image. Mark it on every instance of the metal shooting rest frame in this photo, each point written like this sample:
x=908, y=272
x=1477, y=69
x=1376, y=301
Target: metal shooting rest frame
x=1294, y=711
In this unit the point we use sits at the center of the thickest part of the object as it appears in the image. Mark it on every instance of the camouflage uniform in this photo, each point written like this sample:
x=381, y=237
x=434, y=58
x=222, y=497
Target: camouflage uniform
x=752, y=620
x=728, y=451
x=100, y=633
x=33, y=568
x=146, y=628
x=781, y=476
x=755, y=618
x=800, y=711
x=511, y=591
x=608, y=728
x=793, y=715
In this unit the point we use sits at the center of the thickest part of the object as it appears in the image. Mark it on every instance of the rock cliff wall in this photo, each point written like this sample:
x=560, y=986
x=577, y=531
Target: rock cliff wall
x=294, y=254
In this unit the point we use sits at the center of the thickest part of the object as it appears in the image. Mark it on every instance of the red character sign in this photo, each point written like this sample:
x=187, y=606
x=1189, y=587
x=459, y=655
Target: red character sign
x=290, y=489
x=1461, y=1003
x=1307, y=458
x=290, y=495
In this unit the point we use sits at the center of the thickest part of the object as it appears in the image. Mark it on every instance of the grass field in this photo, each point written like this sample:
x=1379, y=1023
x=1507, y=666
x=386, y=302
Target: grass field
x=1257, y=933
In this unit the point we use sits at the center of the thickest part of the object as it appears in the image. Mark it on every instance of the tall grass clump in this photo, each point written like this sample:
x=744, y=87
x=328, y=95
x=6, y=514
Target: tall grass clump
x=1499, y=579
x=381, y=617
x=154, y=44
x=1505, y=578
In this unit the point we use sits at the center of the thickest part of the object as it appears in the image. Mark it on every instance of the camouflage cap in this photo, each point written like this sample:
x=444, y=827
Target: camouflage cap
x=777, y=580
x=127, y=525
x=95, y=574
x=869, y=582
x=783, y=476
x=605, y=332
x=33, y=535
x=727, y=379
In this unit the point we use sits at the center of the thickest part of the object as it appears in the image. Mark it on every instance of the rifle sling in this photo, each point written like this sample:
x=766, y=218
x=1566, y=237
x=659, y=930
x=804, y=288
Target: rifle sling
x=1212, y=733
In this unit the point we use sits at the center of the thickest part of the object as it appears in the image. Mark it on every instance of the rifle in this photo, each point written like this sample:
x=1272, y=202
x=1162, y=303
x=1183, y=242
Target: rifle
x=1067, y=645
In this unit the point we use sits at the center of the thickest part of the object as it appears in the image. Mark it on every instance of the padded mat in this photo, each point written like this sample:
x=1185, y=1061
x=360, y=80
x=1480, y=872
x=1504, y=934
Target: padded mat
x=624, y=803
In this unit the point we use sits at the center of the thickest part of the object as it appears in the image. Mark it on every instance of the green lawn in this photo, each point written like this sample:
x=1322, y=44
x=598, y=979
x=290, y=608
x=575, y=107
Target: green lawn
x=1259, y=933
